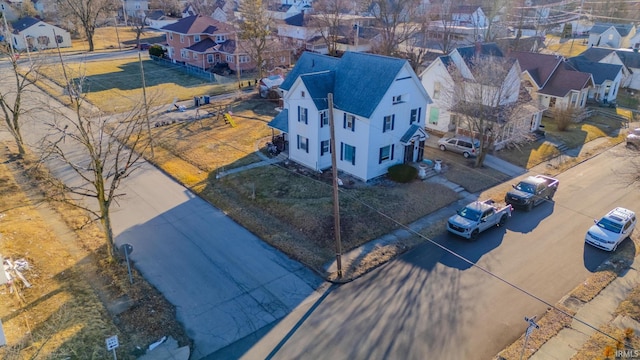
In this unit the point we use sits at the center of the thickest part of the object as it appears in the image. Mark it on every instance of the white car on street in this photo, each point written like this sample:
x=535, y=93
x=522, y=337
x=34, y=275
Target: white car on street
x=612, y=229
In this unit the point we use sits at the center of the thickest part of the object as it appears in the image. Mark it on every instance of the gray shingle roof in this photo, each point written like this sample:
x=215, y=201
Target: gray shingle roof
x=358, y=81
x=412, y=130
x=596, y=53
x=362, y=80
x=198, y=24
x=319, y=85
x=485, y=49
x=539, y=66
x=309, y=63
x=630, y=59
x=203, y=45
x=601, y=72
x=281, y=121
x=24, y=23
x=623, y=29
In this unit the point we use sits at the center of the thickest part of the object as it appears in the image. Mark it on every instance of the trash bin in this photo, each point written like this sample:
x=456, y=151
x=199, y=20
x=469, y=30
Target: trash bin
x=206, y=99
x=196, y=101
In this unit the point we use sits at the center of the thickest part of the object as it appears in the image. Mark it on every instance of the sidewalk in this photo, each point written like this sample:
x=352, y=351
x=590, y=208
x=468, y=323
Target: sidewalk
x=597, y=312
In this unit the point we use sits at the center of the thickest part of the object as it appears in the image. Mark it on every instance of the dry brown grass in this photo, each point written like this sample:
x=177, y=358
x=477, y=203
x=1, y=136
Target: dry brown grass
x=60, y=314
x=64, y=313
x=599, y=345
x=550, y=324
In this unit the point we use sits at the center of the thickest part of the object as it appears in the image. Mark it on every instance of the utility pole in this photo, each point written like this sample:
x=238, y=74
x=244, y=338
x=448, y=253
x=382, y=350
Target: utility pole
x=532, y=326
x=146, y=105
x=336, y=198
x=237, y=56
x=117, y=35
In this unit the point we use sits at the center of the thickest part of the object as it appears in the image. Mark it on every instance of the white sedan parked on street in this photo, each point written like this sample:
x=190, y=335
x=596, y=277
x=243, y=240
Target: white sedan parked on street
x=612, y=229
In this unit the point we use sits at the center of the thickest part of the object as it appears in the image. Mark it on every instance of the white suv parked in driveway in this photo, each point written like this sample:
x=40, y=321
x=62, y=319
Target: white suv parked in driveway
x=614, y=227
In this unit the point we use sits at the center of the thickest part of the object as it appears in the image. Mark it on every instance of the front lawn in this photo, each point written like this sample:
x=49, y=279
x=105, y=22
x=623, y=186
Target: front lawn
x=530, y=154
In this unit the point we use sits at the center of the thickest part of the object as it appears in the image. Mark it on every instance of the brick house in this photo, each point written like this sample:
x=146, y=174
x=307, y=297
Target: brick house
x=204, y=42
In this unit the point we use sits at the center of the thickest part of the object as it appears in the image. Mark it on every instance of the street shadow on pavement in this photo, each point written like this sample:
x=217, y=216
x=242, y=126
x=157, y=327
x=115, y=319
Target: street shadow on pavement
x=524, y=222
x=225, y=282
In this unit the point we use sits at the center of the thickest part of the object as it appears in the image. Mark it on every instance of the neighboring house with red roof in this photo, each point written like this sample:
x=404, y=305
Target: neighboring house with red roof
x=203, y=42
x=552, y=81
x=36, y=34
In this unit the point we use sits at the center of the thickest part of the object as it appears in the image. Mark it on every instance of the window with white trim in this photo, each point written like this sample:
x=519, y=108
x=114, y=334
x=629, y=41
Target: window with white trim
x=325, y=147
x=303, y=143
x=182, y=38
x=437, y=87
x=415, y=116
x=349, y=122
x=302, y=115
x=386, y=153
x=195, y=56
x=221, y=38
x=229, y=58
x=210, y=58
x=388, y=123
x=184, y=53
x=170, y=36
x=196, y=38
x=399, y=99
x=324, y=118
x=348, y=153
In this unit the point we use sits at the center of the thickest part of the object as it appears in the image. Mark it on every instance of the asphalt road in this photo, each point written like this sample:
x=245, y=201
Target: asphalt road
x=429, y=304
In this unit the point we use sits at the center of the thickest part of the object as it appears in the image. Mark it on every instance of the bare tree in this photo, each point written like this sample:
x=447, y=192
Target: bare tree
x=397, y=22
x=99, y=150
x=169, y=7
x=488, y=102
x=442, y=26
x=24, y=73
x=27, y=9
x=326, y=21
x=138, y=27
x=90, y=13
x=255, y=30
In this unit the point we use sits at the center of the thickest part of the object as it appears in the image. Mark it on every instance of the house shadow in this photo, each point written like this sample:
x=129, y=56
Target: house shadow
x=225, y=283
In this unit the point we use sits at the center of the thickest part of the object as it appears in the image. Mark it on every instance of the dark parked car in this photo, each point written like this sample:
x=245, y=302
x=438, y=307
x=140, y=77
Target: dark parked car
x=144, y=46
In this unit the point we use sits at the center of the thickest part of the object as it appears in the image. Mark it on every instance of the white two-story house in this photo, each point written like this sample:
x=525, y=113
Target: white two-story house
x=439, y=82
x=378, y=110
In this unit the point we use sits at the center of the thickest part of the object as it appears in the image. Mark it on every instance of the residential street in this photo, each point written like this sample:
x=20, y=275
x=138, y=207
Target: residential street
x=430, y=305
x=238, y=297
